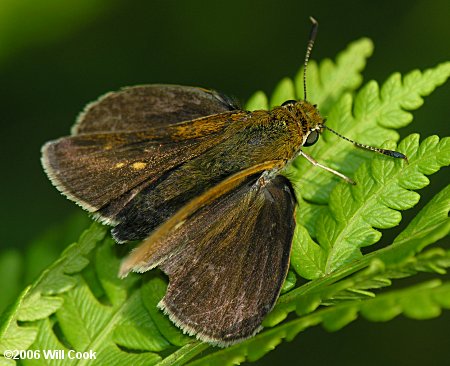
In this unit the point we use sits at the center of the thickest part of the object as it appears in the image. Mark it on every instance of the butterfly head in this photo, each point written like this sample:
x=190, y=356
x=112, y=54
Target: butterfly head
x=311, y=123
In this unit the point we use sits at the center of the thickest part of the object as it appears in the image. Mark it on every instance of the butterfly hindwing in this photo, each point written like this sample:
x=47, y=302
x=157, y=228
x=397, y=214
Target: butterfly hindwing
x=226, y=256
x=231, y=262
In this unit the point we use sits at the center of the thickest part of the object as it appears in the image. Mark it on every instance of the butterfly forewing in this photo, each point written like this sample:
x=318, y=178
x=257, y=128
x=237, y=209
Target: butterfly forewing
x=95, y=169
x=148, y=106
x=115, y=155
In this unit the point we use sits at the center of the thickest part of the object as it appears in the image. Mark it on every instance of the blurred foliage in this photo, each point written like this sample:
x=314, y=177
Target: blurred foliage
x=27, y=23
x=19, y=268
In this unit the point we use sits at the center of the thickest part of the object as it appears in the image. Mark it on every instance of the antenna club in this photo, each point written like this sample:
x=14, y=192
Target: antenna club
x=391, y=153
x=313, y=20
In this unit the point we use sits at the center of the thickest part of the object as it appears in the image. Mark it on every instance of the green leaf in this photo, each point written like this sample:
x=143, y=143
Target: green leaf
x=307, y=258
x=152, y=292
x=283, y=91
x=289, y=283
x=433, y=295
x=13, y=336
x=363, y=119
x=11, y=268
x=43, y=298
x=428, y=226
x=355, y=211
x=307, y=298
x=19, y=268
x=257, y=101
x=326, y=83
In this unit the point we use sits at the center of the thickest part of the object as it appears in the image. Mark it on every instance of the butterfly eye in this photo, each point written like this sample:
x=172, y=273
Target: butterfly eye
x=288, y=102
x=312, y=138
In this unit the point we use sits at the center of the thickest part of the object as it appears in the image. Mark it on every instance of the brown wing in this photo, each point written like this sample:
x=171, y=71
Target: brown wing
x=229, y=261
x=154, y=249
x=98, y=169
x=127, y=142
x=147, y=106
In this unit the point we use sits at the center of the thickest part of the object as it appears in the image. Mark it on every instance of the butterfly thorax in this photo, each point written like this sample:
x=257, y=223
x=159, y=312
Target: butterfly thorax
x=277, y=134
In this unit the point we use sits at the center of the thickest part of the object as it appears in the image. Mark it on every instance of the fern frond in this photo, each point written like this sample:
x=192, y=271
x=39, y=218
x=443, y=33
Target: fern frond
x=422, y=301
x=354, y=212
x=308, y=297
x=368, y=118
x=326, y=82
x=43, y=298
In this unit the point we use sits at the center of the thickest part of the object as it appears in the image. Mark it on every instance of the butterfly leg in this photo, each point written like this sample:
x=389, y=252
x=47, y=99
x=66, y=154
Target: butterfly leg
x=335, y=172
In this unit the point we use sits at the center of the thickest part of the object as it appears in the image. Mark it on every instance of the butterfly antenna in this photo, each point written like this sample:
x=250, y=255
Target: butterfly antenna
x=312, y=38
x=391, y=153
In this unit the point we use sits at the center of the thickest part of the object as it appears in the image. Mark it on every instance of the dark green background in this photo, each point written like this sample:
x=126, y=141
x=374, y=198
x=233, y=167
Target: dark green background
x=55, y=56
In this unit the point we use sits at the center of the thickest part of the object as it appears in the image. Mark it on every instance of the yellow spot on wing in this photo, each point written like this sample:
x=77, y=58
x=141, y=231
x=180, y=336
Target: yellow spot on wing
x=120, y=165
x=139, y=165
